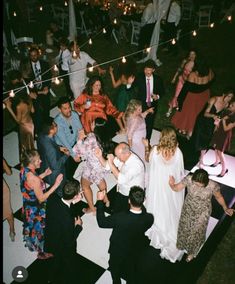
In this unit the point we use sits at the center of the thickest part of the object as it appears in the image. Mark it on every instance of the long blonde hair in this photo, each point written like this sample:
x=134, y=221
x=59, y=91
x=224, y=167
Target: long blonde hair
x=131, y=107
x=167, y=142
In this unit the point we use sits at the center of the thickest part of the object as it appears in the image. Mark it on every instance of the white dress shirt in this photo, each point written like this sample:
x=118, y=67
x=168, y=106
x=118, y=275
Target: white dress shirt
x=148, y=15
x=174, y=14
x=78, y=80
x=131, y=173
x=66, y=56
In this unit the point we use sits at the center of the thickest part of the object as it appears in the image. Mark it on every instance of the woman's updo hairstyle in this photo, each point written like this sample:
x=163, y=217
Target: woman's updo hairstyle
x=27, y=156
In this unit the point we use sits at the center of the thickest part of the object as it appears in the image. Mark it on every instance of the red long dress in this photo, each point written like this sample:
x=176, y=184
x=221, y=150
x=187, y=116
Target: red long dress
x=195, y=100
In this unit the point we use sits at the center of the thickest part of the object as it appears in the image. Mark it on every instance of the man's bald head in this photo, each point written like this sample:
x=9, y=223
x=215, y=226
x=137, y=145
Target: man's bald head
x=122, y=151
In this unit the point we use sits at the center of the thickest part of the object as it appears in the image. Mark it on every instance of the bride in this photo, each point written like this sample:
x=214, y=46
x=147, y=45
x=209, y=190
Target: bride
x=165, y=159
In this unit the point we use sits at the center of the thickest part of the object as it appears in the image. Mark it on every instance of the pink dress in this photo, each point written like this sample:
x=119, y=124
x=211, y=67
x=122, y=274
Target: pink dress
x=93, y=171
x=136, y=130
x=187, y=70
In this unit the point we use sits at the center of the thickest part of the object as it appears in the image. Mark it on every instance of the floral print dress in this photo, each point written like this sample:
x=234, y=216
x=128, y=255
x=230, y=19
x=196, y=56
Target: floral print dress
x=195, y=215
x=33, y=213
x=93, y=171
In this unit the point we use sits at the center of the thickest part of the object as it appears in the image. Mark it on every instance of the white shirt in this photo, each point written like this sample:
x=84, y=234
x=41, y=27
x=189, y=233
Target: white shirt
x=148, y=15
x=38, y=66
x=131, y=173
x=76, y=64
x=174, y=14
x=65, y=202
x=64, y=60
x=151, y=86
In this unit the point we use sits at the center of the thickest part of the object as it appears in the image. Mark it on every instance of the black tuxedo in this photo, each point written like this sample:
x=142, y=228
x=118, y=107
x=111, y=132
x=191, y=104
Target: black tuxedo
x=127, y=241
x=53, y=158
x=61, y=238
x=141, y=94
x=43, y=102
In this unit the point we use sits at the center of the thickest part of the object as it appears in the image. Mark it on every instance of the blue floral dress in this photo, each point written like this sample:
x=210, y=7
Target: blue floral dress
x=33, y=213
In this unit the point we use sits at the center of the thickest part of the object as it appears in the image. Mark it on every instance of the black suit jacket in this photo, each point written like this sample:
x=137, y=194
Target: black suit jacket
x=45, y=73
x=141, y=90
x=60, y=232
x=128, y=236
x=26, y=68
x=51, y=157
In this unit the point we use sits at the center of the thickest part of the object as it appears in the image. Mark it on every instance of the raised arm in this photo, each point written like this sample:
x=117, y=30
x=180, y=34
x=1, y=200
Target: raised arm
x=35, y=183
x=114, y=82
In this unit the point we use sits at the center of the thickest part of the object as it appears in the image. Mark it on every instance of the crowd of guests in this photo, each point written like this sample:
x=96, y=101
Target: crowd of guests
x=149, y=207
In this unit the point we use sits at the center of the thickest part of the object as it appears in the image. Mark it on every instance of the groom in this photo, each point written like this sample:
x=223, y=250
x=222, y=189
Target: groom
x=128, y=239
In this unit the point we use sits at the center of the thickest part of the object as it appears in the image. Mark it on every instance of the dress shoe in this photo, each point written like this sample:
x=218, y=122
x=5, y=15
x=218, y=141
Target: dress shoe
x=220, y=176
x=214, y=165
x=189, y=258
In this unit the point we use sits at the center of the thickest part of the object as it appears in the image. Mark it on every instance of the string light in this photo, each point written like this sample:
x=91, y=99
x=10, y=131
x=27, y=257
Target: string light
x=90, y=41
x=65, y=3
x=91, y=69
x=4, y=106
x=14, y=14
x=212, y=25
x=31, y=85
x=173, y=41
x=56, y=68
x=57, y=81
x=40, y=8
x=115, y=21
x=12, y=94
x=104, y=31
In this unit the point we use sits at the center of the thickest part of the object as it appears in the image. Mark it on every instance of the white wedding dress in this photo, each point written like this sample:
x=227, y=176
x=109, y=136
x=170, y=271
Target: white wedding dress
x=164, y=203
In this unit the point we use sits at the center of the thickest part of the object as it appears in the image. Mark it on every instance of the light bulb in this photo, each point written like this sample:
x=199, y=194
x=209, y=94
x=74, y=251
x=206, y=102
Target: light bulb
x=194, y=33
x=31, y=84
x=74, y=54
x=12, y=94
x=104, y=31
x=212, y=25
x=91, y=69
x=229, y=18
x=90, y=41
x=56, y=68
x=40, y=8
x=57, y=81
x=173, y=41
x=14, y=14
x=65, y=3
x=115, y=21
x=148, y=49
x=123, y=59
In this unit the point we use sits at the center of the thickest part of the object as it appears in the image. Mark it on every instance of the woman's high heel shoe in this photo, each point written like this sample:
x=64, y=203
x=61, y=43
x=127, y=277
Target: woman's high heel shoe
x=221, y=175
x=214, y=165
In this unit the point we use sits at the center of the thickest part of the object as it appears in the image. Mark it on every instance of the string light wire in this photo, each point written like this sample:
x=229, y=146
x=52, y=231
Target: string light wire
x=16, y=90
